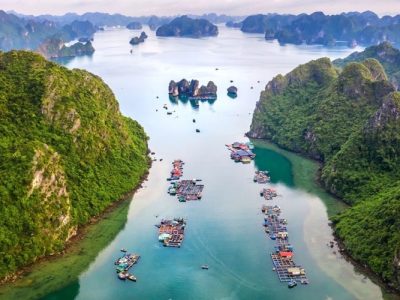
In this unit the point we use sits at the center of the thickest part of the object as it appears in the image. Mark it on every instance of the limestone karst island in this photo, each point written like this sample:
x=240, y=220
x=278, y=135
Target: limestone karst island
x=211, y=150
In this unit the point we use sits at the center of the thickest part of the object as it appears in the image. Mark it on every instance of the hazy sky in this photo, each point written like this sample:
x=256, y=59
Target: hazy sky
x=173, y=7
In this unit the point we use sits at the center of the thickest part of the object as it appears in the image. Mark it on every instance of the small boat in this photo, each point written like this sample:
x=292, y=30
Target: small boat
x=123, y=250
x=273, y=269
x=197, y=130
x=169, y=113
x=204, y=267
x=132, y=277
x=245, y=160
x=304, y=281
x=292, y=284
x=122, y=275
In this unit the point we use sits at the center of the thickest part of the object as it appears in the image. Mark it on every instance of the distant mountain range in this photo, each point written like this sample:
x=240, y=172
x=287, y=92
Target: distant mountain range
x=317, y=28
x=23, y=33
x=105, y=19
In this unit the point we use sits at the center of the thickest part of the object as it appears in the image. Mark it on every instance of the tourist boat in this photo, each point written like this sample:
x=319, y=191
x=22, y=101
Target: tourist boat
x=132, y=277
x=292, y=284
x=204, y=267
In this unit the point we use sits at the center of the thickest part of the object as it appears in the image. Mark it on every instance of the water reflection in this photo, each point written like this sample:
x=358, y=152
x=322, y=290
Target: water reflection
x=277, y=165
x=194, y=103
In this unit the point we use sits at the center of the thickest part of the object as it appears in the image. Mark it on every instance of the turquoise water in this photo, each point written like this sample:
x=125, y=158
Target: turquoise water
x=224, y=228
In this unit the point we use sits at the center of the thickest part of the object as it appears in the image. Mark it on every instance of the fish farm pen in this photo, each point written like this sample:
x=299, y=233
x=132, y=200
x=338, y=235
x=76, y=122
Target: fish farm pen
x=282, y=259
x=172, y=232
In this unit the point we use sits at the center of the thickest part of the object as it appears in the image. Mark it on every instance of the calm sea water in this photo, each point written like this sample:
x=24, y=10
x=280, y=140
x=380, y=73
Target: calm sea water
x=224, y=228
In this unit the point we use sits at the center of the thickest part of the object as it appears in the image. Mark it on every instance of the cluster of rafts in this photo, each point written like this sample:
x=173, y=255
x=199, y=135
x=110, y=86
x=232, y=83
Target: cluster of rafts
x=276, y=228
x=185, y=190
x=171, y=232
x=242, y=152
x=124, y=264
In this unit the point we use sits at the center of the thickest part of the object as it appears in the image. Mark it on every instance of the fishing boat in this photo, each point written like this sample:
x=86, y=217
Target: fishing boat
x=123, y=275
x=292, y=284
x=132, y=277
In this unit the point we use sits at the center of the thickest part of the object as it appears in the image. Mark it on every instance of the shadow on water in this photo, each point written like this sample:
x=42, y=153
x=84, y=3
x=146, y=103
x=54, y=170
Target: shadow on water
x=68, y=293
x=278, y=166
x=194, y=103
x=64, y=271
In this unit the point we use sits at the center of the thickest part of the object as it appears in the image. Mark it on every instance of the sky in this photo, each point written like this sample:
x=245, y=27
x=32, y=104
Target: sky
x=178, y=7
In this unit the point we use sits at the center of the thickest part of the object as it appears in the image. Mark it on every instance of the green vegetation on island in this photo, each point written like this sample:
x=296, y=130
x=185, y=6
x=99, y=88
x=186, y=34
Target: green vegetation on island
x=66, y=154
x=55, y=48
x=349, y=119
x=188, y=27
x=352, y=28
x=30, y=33
x=385, y=53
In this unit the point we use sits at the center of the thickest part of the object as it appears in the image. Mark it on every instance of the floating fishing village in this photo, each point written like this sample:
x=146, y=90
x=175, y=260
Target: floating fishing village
x=171, y=232
x=241, y=152
x=186, y=190
x=275, y=227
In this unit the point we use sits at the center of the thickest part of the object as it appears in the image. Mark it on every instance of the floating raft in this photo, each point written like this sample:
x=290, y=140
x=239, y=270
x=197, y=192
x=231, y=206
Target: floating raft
x=177, y=170
x=189, y=190
x=287, y=270
x=241, y=152
x=172, y=232
x=282, y=258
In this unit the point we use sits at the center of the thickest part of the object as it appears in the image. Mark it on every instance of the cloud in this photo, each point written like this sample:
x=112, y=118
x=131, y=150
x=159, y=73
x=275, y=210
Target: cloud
x=173, y=7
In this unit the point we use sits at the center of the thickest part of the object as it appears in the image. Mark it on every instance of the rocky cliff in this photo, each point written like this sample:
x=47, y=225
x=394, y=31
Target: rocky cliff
x=56, y=48
x=348, y=119
x=66, y=153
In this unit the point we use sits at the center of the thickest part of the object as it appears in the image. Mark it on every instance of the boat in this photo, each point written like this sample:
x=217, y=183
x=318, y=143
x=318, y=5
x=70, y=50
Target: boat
x=132, y=277
x=245, y=160
x=123, y=250
x=304, y=281
x=292, y=284
x=197, y=130
x=204, y=267
x=123, y=275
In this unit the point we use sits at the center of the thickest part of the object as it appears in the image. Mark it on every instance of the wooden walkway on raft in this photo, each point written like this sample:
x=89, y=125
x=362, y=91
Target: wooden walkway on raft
x=282, y=258
x=189, y=189
x=282, y=265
